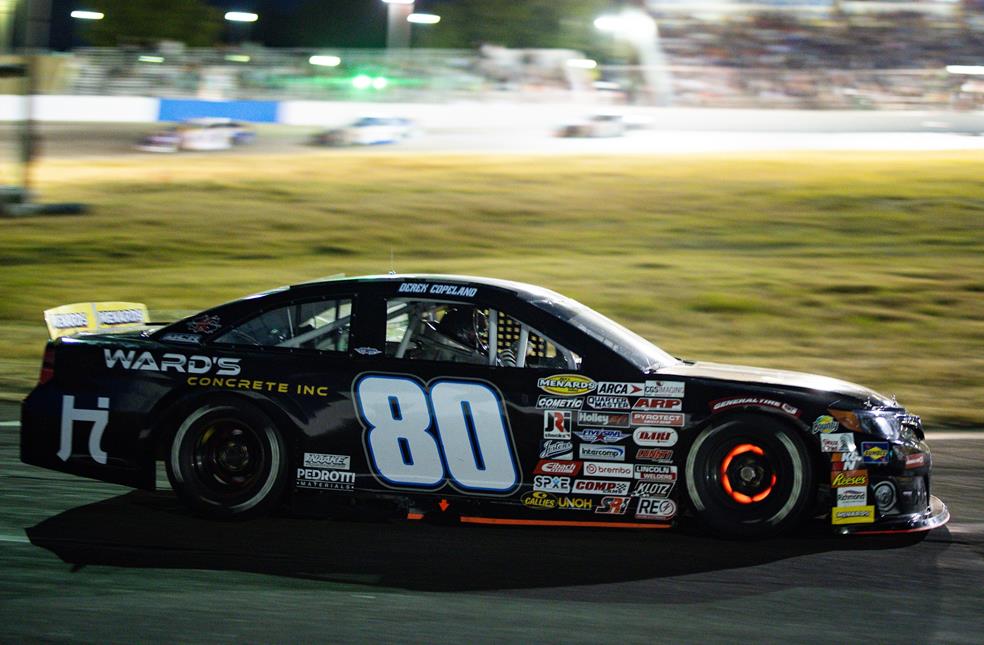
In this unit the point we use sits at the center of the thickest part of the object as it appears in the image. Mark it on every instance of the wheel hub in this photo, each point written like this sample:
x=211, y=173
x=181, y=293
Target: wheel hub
x=746, y=475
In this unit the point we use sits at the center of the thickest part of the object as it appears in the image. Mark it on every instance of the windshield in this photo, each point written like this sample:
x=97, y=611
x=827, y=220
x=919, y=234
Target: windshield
x=625, y=342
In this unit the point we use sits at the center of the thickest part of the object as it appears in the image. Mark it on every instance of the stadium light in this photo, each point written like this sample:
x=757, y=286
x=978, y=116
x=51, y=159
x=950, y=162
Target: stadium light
x=423, y=18
x=150, y=59
x=325, y=61
x=241, y=16
x=631, y=25
x=970, y=70
x=237, y=58
x=87, y=15
x=361, y=82
x=582, y=63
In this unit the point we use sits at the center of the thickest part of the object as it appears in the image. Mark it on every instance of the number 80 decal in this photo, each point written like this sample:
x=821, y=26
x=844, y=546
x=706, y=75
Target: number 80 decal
x=418, y=438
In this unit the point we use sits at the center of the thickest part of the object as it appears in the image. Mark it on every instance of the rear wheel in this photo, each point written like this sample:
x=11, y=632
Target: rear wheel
x=750, y=476
x=228, y=461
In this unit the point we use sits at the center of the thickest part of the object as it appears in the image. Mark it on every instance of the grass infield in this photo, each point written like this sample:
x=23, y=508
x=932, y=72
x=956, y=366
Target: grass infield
x=863, y=266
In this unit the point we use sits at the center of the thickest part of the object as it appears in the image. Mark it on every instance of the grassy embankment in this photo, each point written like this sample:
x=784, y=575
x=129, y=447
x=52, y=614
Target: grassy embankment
x=868, y=267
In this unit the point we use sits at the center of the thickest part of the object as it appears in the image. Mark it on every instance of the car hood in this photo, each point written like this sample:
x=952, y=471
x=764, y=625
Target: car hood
x=765, y=376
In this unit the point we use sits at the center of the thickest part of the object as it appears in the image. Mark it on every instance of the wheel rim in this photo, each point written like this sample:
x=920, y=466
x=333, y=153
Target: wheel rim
x=228, y=457
x=746, y=474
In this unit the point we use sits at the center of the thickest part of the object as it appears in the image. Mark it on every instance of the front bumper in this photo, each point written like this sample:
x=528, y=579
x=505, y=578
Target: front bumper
x=935, y=515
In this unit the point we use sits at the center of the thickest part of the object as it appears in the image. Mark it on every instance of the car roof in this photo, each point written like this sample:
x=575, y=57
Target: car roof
x=508, y=285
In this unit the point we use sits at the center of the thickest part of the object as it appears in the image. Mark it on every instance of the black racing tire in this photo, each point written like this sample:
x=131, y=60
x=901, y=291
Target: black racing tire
x=750, y=476
x=228, y=461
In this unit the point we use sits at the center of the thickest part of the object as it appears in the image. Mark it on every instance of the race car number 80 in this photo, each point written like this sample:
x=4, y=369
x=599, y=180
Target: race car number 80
x=457, y=430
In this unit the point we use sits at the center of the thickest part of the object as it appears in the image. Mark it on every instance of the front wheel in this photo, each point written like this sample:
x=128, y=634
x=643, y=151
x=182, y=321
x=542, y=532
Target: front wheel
x=228, y=461
x=750, y=476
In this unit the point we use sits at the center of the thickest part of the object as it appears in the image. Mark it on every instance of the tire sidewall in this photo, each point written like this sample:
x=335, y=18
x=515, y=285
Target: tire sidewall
x=794, y=492
x=186, y=482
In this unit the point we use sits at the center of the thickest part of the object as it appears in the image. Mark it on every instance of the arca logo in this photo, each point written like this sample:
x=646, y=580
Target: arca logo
x=131, y=360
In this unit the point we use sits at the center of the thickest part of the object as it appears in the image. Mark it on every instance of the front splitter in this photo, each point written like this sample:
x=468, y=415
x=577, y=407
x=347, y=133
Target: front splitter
x=936, y=516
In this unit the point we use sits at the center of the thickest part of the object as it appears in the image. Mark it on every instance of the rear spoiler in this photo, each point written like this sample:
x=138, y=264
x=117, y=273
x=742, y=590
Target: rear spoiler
x=94, y=316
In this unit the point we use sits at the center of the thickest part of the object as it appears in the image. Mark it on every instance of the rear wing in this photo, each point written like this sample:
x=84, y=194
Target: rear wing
x=94, y=316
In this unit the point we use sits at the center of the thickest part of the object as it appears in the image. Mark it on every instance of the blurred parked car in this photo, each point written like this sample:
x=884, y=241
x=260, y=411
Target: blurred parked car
x=596, y=125
x=367, y=131
x=199, y=134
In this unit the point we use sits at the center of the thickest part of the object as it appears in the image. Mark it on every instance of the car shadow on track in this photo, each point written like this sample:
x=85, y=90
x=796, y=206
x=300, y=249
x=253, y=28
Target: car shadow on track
x=153, y=530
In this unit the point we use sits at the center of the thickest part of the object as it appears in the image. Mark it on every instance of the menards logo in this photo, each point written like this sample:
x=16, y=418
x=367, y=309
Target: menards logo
x=566, y=384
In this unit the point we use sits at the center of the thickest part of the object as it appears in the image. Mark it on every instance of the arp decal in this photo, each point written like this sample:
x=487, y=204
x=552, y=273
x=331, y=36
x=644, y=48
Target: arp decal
x=657, y=405
x=566, y=384
x=453, y=430
x=99, y=418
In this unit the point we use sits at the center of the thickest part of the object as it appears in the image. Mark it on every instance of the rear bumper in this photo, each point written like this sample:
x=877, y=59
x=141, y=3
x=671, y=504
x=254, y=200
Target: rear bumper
x=935, y=515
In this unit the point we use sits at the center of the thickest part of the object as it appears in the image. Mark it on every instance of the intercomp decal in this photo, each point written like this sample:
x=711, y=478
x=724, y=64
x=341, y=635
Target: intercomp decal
x=424, y=436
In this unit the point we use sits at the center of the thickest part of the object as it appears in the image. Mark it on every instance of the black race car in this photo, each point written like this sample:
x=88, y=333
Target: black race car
x=482, y=400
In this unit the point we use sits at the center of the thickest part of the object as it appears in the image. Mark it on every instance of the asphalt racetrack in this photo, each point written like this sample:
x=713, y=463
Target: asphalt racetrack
x=90, y=562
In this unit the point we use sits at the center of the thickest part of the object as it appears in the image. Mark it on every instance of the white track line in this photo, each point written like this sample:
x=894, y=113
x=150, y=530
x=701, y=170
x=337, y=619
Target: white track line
x=9, y=424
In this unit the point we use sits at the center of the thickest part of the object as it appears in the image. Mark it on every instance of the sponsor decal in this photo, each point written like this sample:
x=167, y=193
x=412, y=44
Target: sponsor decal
x=852, y=496
x=69, y=320
x=852, y=515
x=660, y=490
x=93, y=316
x=556, y=424
x=617, y=420
x=321, y=460
x=539, y=500
x=120, y=317
x=558, y=403
x=838, y=442
x=325, y=479
x=609, y=453
x=656, y=472
x=258, y=385
x=658, y=405
x=875, y=452
x=620, y=389
x=575, y=503
x=131, y=360
x=556, y=450
x=603, y=435
x=566, y=384
x=657, y=419
x=191, y=339
x=673, y=389
x=552, y=484
x=438, y=289
x=753, y=402
x=368, y=351
x=613, y=505
x=654, y=454
x=654, y=508
x=600, y=487
x=550, y=467
x=95, y=421
x=915, y=460
x=825, y=424
x=204, y=324
x=662, y=437
x=845, y=478
x=595, y=469
x=608, y=403
x=845, y=460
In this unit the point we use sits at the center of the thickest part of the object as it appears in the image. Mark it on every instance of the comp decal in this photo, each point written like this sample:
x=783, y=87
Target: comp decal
x=448, y=431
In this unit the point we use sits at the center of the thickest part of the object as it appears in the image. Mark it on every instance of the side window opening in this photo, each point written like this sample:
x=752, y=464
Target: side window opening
x=322, y=325
x=461, y=332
